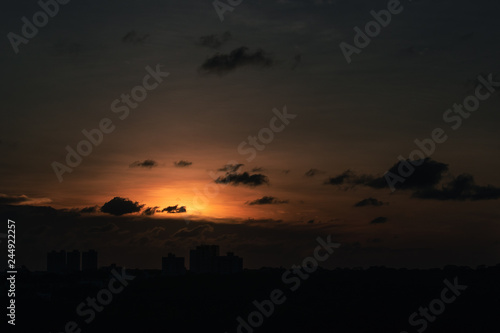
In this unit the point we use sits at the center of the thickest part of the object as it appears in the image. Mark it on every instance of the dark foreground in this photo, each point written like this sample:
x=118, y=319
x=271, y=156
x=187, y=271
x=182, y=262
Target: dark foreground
x=373, y=300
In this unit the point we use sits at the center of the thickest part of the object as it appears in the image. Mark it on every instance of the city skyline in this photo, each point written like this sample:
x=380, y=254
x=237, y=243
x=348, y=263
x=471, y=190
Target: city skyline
x=204, y=258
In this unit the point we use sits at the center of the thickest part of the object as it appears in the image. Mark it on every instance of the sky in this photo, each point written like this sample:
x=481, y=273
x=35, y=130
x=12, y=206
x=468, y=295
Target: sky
x=177, y=169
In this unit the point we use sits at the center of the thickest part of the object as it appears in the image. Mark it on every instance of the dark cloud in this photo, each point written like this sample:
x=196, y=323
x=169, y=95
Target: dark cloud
x=195, y=232
x=267, y=200
x=423, y=177
x=89, y=210
x=230, y=167
x=369, y=202
x=258, y=169
x=120, y=206
x=349, y=178
x=149, y=211
x=133, y=37
x=313, y=172
x=243, y=178
x=224, y=63
x=378, y=220
x=21, y=200
x=463, y=187
x=182, y=164
x=426, y=173
x=174, y=209
x=12, y=199
x=214, y=41
x=144, y=164
x=29, y=211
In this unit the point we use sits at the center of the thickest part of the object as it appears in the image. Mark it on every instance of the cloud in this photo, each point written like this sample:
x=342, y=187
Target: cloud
x=224, y=63
x=463, y=187
x=195, y=232
x=89, y=210
x=267, y=200
x=175, y=209
x=182, y=164
x=243, y=178
x=313, y=172
x=369, y=202
x=214, y=41
x=230, y=167
x=427, y=174
x=120, y=206
x=349, y=178
x=423, y=181
x=133, y=37
x=145, y=164
x=21, y=200
x=149, y=211
x=379, y=220
x=30, y=211
x=258, y=169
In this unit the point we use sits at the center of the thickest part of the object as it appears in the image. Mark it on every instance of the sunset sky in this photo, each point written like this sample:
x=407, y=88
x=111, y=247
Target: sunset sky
x=225, y=79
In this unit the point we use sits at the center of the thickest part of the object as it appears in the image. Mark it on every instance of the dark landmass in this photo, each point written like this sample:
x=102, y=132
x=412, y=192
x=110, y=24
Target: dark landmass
x=343, y=300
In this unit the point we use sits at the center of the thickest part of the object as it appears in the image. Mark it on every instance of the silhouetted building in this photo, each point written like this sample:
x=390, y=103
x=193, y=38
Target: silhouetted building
x=172, y=265
x=229, y=264
x=56, y=262
x=204, y=259
x=73, y=261
x=89, y=260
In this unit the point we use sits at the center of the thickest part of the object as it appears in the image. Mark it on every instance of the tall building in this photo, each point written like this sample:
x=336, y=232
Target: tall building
x=203, y=259
x=172, y=265
x=56, y=262
x=73, y=261
x=229, y=264
x=206, y=259
x=89, y=260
